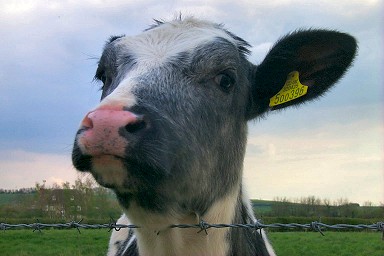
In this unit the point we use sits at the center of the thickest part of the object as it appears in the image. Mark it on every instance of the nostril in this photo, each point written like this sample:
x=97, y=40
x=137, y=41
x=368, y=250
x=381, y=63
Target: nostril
x=136, y=126
x=86, y=123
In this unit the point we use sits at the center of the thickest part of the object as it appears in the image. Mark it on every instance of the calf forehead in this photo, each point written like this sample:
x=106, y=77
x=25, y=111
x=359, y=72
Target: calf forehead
x=156, y=46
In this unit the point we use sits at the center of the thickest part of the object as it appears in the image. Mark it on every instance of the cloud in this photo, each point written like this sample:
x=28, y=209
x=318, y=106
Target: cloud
x=331, y=160
x=20, y=169
x=253, y=149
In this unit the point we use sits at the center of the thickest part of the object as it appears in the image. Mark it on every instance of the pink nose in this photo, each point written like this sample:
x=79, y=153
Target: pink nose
x=102, y=129
x=109, y=118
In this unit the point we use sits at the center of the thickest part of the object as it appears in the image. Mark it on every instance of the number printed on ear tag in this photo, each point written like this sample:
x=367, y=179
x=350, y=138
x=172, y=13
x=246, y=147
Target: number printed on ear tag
x=291, y=90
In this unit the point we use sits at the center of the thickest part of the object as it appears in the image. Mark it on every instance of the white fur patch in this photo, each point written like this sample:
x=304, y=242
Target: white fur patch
x=122, y=96
x=118, y=237
x=156, y=46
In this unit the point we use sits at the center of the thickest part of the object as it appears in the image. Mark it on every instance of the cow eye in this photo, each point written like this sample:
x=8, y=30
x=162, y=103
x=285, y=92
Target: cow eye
x=225, y=81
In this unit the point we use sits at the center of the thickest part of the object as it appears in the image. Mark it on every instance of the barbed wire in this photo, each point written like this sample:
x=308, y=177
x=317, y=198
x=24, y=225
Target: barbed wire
x=202, y=226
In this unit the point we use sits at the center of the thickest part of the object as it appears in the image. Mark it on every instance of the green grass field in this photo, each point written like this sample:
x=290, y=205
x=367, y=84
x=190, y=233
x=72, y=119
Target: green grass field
x=95, y=242
x=54, y=242
x=333, y=243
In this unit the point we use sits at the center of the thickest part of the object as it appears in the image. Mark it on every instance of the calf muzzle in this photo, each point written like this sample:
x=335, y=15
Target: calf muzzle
x=106, y=131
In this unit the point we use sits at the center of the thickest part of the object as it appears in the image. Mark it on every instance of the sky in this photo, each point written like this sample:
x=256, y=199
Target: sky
x=331, y=148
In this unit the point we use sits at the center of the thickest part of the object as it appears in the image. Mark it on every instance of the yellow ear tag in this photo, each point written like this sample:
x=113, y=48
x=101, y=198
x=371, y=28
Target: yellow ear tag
x=291, y=90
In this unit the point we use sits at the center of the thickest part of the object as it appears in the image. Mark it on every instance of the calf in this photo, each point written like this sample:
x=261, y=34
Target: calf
x=170, y=132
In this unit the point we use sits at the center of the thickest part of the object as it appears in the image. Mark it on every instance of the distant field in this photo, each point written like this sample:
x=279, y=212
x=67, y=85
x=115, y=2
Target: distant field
x=14, y=198
x=95, y=242
x=332, y=244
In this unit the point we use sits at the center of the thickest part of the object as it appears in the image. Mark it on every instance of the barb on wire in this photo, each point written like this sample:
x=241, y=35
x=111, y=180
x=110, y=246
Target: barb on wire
x=75, y=224
x=112, y=225
x=203, y=226
x=316, y=227
x=257, y=226
x=37, y=227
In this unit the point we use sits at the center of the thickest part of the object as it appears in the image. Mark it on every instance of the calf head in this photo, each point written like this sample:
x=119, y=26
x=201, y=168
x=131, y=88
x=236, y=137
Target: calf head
x=170, y=132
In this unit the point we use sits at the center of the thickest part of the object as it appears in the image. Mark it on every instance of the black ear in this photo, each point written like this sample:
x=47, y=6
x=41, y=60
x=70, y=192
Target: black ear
x=320, y=58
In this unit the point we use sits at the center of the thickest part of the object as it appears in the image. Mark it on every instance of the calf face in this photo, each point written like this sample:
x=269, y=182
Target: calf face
x=170, y=132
